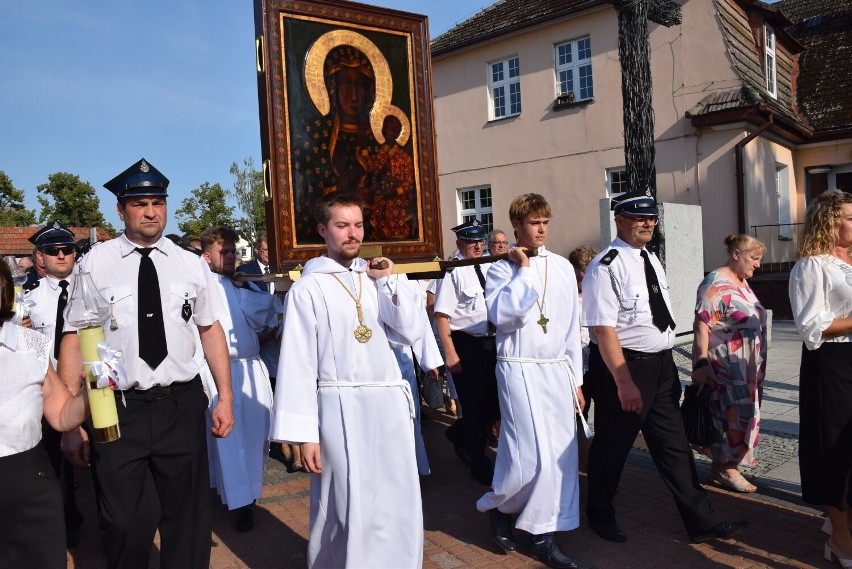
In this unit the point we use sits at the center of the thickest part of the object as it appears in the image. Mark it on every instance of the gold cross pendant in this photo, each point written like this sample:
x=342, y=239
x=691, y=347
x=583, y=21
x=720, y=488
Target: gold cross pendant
x=543, y=322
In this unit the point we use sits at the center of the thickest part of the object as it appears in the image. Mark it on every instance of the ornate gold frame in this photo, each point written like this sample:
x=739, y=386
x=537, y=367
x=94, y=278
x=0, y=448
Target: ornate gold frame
x=294, y=38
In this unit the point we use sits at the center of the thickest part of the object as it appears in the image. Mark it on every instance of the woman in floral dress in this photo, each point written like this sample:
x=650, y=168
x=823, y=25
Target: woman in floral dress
x=729, y=357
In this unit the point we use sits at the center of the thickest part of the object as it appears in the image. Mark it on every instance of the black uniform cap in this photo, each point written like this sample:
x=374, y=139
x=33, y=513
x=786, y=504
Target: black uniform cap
x=141, y=179
x=470, y=231
x=54, y=233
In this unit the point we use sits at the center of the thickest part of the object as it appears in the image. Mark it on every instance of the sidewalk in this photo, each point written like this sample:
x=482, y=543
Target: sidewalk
x=782, y=532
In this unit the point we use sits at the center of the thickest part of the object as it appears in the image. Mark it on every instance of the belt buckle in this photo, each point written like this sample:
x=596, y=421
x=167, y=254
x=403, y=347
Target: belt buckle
x=161, y=392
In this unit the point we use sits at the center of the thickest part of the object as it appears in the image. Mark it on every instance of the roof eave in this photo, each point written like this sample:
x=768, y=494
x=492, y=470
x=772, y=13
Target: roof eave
x=519, y=27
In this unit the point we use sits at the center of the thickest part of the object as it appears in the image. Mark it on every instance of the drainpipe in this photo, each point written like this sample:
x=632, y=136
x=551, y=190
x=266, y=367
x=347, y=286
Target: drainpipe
x=738, y=151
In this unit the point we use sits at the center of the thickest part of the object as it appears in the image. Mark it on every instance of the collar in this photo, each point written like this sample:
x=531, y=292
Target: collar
x=9, y=335
x=126, y=246
x=630, y=249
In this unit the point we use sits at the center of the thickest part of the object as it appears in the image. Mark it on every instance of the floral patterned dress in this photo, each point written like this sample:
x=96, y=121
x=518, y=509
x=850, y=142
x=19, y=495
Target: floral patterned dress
x=737, y=355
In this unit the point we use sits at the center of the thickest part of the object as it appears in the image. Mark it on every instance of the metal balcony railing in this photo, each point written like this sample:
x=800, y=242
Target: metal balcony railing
x=781, y=240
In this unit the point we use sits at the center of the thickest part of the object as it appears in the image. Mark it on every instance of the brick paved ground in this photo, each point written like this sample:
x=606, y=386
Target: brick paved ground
x=781, y=534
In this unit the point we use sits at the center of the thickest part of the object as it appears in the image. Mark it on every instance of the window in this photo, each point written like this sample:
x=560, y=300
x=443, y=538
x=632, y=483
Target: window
x=574, y=69
x=504, y=88
x=476, y=203
x=769, y=50
x=616, y=181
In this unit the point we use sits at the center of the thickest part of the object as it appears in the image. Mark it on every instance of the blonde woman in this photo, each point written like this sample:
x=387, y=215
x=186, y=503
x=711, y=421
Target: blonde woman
x=729, y=352
x=821, y=298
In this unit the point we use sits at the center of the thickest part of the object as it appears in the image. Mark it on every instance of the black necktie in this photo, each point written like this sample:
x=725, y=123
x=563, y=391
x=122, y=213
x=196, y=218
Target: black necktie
x=152, y=333
x=659, y=311
x=265, y=284
x=491, y=328
x=60, y=317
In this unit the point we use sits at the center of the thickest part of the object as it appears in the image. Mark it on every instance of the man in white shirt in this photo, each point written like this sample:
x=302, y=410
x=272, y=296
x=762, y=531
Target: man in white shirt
x=470, y=351
x=343, y=398
x=635, y=383
x=48, y=298
x=155, y=477
x=236, y=461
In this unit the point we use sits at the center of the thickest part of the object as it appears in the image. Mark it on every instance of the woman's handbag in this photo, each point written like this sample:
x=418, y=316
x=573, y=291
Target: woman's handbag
x=697, y=418
x=433, y=391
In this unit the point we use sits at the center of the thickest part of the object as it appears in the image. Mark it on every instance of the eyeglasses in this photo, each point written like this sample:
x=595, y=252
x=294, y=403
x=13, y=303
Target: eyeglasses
x=54, y=251
x=652, y=219
x=499, y=242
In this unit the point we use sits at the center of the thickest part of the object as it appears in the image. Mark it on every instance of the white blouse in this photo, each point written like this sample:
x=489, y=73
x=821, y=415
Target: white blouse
x=820, y=291
x=24, y=357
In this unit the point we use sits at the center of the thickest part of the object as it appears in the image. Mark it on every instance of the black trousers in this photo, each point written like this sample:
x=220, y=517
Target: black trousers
x=64, y=472
x=662, y=426
x=477, y=388
x=32, y=531
x=156, y=477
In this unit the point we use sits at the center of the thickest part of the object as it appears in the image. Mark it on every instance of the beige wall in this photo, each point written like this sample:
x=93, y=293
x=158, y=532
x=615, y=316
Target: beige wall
x=564, y=154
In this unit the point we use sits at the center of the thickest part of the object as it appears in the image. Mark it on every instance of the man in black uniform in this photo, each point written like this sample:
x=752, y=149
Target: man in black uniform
x=470, y=347
x=636, y=386
x=155, y=477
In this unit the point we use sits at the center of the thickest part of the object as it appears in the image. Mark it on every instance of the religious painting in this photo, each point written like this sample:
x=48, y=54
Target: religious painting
x=346, y=107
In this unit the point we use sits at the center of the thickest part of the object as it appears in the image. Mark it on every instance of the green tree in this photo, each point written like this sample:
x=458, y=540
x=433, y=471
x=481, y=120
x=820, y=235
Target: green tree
x=71, y=201
x=205, y=208
x=12, y=209
x=248, y=189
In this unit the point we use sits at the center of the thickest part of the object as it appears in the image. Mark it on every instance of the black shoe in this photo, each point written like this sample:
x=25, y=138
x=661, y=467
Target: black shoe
x=482, y=471
x=501, y=530
x=725, y=530
x=245, y=518
x=544, y=549
x=609, y=531
x=461, y=452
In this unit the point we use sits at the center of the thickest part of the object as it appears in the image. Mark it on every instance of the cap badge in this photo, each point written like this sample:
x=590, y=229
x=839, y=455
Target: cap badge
x=143, y=167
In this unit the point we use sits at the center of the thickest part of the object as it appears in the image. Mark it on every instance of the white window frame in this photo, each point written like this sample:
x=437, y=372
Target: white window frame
x=570, y=64
x=614, y=178
x=504, y=88
x=476, y=202
x=769, y=60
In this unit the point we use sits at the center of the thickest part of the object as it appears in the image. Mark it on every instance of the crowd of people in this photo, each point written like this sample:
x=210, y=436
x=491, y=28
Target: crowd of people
x=218, y=374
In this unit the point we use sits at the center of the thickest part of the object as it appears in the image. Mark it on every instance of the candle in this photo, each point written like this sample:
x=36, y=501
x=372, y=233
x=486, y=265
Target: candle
x=101, y=399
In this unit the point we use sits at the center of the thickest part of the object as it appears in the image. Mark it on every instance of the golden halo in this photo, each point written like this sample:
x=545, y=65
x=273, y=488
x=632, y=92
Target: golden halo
x=315, y=81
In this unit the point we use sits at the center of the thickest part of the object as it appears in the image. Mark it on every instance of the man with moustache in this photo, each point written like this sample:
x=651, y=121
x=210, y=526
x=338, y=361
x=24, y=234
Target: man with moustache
x=343, y=398
x=635, y=382
x=162, y=299
x=55, y=251
x=236, y=461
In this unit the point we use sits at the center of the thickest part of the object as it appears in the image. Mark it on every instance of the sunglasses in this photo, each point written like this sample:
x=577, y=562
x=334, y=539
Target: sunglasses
x=54, y=251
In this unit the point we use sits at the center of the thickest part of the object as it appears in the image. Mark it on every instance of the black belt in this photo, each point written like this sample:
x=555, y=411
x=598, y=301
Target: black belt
x=631, y=355
x=21, y=459
x=487, y=336
x=158, y=391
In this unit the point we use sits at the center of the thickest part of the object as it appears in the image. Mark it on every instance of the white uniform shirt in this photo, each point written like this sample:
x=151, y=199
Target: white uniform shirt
x=461, y=297
x=45, y=299
x=184, y=278
x=820, y=291
x=617, y=296
x=24, y=360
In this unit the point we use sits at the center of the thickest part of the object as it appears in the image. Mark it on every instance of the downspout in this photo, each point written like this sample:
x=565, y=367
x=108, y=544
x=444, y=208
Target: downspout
x=738, y=152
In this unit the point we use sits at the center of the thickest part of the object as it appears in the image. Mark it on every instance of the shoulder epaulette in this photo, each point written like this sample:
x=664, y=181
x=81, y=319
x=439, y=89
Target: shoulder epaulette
x=32, y=285
x=608, y=258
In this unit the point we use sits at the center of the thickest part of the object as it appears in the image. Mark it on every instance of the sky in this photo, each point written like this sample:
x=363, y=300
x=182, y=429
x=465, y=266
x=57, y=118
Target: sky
x=91, y=87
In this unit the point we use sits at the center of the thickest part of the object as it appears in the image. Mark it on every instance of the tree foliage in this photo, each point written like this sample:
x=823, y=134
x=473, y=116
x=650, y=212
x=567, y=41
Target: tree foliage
x=12, y=209
x=70, y=201
x=206, y=207
x=248, y=189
